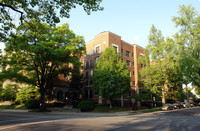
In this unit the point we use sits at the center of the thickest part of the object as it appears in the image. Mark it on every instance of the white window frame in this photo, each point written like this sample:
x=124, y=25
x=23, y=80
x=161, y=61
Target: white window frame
x=116, y=46
x=96, y=47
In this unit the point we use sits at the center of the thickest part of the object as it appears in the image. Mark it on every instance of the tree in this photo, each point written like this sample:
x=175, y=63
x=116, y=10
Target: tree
x=111, y=76
x=188, y=40
x=27, y=93
x=157, y=76
x=175, y=60
x=36, y=57
x=9, y=92
x=48, y=11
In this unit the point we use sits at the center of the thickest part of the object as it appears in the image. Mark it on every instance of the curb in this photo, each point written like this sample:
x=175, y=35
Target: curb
x=12, y=110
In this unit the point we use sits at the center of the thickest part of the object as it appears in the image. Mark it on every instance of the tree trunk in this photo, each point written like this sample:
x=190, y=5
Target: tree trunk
x=122, y=101
x=42, y=99
x=187, y=93
x=163, y=95
x=110, y=104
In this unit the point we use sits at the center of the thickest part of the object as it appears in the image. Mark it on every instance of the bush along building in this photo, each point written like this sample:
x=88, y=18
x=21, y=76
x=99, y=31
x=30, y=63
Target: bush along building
x=129, y=54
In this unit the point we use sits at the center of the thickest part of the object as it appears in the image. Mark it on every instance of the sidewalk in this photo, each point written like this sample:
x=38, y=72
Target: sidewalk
x=73, y=112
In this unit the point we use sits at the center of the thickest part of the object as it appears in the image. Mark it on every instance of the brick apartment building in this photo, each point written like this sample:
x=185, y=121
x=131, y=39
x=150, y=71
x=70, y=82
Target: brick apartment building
x=129, y=53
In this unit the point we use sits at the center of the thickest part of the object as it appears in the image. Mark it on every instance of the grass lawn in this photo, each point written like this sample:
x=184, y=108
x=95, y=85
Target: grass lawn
x=17, y=107
x=106, y=108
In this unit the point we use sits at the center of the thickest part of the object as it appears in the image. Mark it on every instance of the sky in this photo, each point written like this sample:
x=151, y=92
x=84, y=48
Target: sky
x=130, y=19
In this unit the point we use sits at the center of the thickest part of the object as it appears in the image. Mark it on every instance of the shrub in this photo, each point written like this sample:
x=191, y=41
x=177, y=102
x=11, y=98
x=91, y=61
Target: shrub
x=9, y=92
x=32, y=104
x=75, y=103
x=86, y=105
x=26, y=93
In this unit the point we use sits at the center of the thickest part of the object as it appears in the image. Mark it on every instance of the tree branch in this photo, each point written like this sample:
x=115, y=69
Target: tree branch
x=9, y=6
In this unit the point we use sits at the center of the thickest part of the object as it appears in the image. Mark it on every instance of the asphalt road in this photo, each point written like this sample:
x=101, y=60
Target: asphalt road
x=177, y=120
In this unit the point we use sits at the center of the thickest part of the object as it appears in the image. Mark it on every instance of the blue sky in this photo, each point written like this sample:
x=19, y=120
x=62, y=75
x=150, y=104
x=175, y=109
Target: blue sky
x=131, y=19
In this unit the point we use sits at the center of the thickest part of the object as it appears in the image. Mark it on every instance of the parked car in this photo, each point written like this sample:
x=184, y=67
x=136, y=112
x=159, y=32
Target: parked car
x=191, y=104
x=198, y=104
x=177, y=105
x=185, y=105
x=167, y=107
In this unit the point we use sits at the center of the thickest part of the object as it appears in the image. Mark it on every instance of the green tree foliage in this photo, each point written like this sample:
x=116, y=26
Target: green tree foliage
x=188, y=39
x=26, y=93
x=162, y=73
x=75, y=85
x=197, y=90
x=48, y=11
x=1, y=68
x=111, y=76
x=9, y=92
x=174, y=60
x=36, y=57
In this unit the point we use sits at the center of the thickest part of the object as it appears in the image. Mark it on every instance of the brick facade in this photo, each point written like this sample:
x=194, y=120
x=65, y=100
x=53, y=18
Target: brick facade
x=129, y=53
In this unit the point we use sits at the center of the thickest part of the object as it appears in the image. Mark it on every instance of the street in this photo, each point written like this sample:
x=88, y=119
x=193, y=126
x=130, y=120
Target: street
x=176, y=120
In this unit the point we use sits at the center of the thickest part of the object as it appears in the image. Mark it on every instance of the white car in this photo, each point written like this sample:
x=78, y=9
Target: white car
x=185, y=105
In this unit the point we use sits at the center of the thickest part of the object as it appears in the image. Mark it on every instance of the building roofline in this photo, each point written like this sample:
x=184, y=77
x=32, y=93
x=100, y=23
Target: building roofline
x=139, y=46
x=124, y=42
x=107, y=32
x=116, y=35
x=89, y=41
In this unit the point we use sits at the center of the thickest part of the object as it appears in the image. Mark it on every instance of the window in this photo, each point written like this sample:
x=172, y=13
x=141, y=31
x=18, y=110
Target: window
x=91, y=93
x=91, y=52
x=65, y=76
x=132, y=55
x=128, y=63
x=86, y=75
x=134, y=84
x=97, y=49
x=129, y=93
x=91, y=73
x=133, y=63
x=91, y=63
x=127, y=53
x=86, y=83
x=87, y=65
x=86, y=93
x=133, y=73
x=115, y=48
x=122, y=51
x=142, y=65
x=97, y=58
